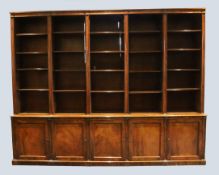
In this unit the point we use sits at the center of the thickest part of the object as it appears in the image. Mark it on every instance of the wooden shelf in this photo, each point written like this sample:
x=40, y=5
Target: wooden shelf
x=145, y=92
x=106, y=51
x=183, y=49
x=145, y=51
x=107, y=70
x=106, y=33
x=144, y=31
x=31, y=53
x=183, y=70
x=107, y=91
x=32, y=69
x=68, y=70
x=31, y=34
x=70, y=90
x=182, y=89
x=68, y=51
x=69, y=32
x=185, y=31
x=145, y=71
x=34, y=90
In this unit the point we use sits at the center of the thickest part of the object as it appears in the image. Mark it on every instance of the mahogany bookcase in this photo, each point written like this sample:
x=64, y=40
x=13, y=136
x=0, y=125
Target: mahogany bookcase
x=122, y=87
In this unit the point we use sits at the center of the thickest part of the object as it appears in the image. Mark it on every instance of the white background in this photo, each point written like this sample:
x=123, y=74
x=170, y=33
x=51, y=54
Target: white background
x=211, y=93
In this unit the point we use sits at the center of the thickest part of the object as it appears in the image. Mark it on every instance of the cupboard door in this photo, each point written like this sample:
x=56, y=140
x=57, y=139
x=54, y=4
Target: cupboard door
x=69, y=139
x=107, y=139
x=146, y=139
x=185, y=138
x=30, y=138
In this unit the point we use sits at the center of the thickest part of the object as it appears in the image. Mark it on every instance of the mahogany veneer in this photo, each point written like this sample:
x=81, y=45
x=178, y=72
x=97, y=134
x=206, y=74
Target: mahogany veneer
x=123, y=87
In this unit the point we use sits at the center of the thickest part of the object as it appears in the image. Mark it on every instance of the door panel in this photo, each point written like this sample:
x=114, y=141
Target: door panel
x=185, y=138
x=107, y=139
x=30, y=139
x=69, y=139
x=146, y=139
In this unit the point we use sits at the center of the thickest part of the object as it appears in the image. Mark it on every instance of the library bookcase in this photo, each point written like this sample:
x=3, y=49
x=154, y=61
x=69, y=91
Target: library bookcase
x=122, y=87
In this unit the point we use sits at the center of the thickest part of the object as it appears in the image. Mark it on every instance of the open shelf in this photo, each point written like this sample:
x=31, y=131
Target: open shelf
x=145, y=81
x=182, y=79
x=31, y=25
x=184, y=22
x=103, y=81
x=70, y=102
x=65, y=24
x=145, y=102
x=68, y=80
x=33, y=80
x=107, y=102
x=34, y=101
x=109, y=23
x=183, y=101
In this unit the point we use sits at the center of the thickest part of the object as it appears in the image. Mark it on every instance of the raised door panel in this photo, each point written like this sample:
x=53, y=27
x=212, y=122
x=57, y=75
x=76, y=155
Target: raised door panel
x=185, y=138
x=69, y=139
x=107, y=139
x=30, y=137
x=146, y=139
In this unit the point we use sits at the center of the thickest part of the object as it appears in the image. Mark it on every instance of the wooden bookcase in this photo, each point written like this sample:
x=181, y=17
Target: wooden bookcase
x=122, y=87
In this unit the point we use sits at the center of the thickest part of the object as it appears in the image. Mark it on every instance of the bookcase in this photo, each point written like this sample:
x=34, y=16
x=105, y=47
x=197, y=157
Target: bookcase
x=122, y=87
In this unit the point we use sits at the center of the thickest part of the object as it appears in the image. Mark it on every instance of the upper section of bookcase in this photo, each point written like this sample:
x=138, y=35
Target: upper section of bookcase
x=102, y=12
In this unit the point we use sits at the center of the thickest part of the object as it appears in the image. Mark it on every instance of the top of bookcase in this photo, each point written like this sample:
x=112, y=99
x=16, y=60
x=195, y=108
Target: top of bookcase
x=101, y=12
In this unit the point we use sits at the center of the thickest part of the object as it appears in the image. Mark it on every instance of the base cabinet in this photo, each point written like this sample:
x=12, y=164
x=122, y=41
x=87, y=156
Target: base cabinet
x=111, y=141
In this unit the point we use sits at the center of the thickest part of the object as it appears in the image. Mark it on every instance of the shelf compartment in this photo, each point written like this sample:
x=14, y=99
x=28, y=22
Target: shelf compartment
x=69, y=33
x=107, y=81
x=106, y=42
x=145, y=22
x=69, y=80
x=100, y=23
x=107, y=61
x=107, y=102
x=184, y=60
x=146, y=62
x=31, y=25
x=70, y=102
x=146, y=102
x=184, y=40
x=140, y=32
x=107, y=91
x=31, y=61
x=183, y=79
x=68, y=23
x=31, y=44
x=33, y=80
x=184, y=21
x=145, y=81
x=68, y=43
x=34, y=101
x=33, y=90
x=183, y=101
x=107, y=70
x=69, y=61
x=148, y=42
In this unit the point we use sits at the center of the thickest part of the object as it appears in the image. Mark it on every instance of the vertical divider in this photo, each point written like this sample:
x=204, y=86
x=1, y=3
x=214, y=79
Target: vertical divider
x=164, y=64
x=202, y=64
x=126, y=63
x=16, y=99
x=50, y=66
x=87, y=55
